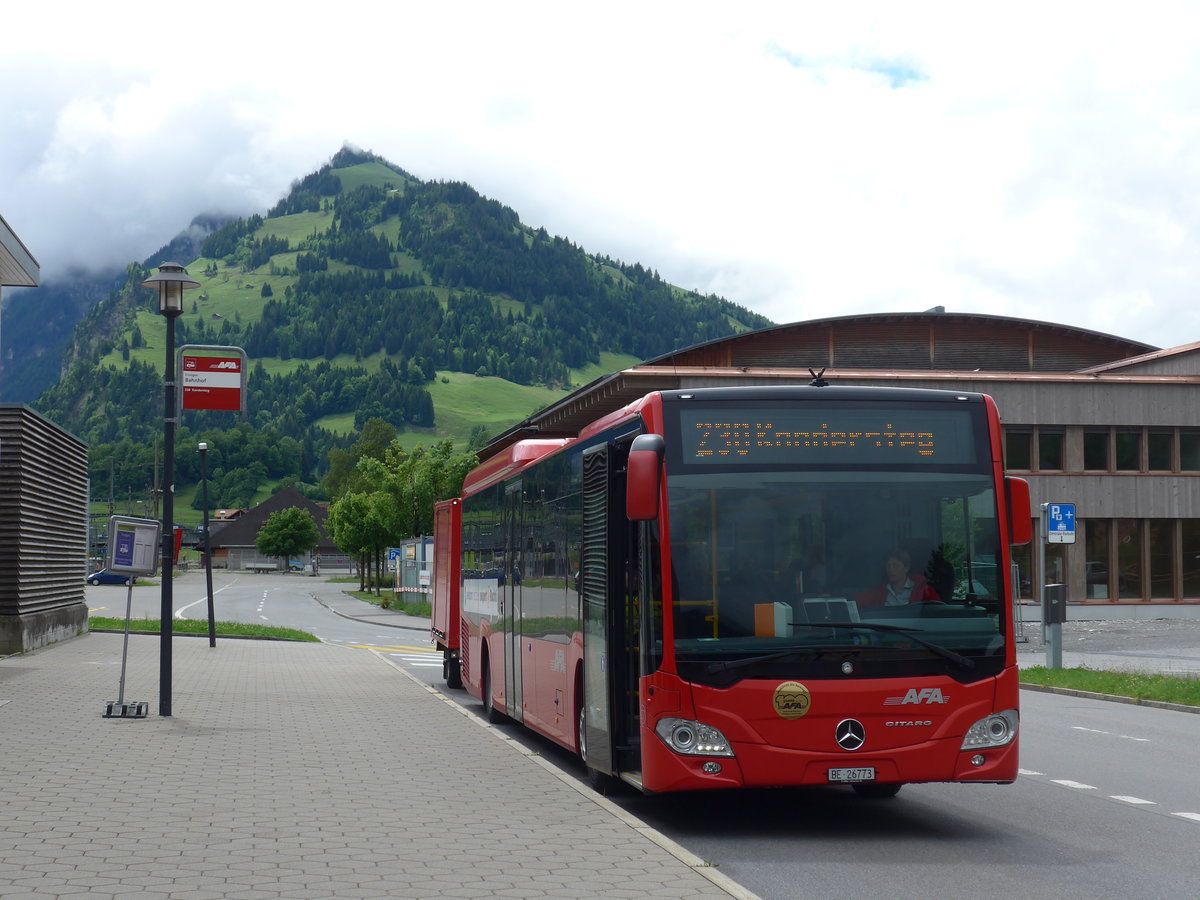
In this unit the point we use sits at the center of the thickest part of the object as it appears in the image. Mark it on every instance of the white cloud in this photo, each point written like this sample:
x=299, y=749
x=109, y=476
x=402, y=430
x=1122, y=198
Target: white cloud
x=1039, y=160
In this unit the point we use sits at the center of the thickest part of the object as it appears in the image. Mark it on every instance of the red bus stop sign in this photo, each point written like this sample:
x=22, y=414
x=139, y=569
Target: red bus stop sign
x=212, y=382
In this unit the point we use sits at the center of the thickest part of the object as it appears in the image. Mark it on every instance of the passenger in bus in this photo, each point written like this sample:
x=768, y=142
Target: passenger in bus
x=899, y=586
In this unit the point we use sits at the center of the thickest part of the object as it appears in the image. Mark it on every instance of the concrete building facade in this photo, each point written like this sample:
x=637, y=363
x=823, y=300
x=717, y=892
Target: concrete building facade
x=43, y=531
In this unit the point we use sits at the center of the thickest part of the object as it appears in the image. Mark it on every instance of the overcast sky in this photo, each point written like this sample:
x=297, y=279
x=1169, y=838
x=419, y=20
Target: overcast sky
x=1038, y=160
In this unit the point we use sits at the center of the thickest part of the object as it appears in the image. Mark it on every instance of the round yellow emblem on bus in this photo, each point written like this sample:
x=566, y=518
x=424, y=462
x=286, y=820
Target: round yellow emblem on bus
x=791, y=700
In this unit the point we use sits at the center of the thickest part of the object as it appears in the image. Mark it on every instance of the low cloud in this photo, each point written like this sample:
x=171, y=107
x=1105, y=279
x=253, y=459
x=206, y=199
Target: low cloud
x=800, y=162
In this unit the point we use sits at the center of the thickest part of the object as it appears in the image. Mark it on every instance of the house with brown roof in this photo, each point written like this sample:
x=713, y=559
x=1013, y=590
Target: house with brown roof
x=233, y=544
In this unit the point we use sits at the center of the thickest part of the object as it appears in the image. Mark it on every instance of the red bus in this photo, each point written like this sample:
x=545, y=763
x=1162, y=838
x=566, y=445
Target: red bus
x=749, y=586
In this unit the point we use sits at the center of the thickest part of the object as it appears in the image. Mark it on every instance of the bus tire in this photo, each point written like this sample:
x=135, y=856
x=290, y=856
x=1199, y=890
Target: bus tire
x=597, y=780
x=451, y=672
x=876, y=790
x=489, y=707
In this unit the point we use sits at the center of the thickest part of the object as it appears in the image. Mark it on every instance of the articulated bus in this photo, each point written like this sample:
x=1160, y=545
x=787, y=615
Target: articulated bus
x=703, y=590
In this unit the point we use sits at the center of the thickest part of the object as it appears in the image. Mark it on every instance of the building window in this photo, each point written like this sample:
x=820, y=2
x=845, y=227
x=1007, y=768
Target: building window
x=1018, y=443
x=1129, y=558
x=1159, y=445
x=1050, y=450
x=1190, y=556
x=1095, y=450
x=1162, y=559
x=1095, y=541
x=1129, y=451
x=1189, y=450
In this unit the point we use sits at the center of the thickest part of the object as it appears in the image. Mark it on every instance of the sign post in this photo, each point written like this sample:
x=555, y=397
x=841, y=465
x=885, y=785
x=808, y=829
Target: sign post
x=132, y=550
x=1058, y=527
x=212, y=378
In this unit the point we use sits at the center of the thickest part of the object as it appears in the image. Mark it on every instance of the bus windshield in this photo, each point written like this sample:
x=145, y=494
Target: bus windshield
x=837, y=572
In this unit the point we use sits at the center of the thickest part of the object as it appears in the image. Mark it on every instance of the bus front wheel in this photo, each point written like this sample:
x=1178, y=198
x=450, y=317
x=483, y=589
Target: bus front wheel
x=597, y=780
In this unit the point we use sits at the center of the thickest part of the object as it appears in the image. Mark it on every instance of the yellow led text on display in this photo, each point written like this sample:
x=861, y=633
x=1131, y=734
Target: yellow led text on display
x=724, y=439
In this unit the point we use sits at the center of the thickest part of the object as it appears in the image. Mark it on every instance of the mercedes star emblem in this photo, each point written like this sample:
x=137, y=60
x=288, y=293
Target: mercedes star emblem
x=850, y=734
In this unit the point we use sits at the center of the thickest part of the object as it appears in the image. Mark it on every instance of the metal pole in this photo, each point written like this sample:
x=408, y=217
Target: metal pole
x=1042, y=568
x=212, y=624
x=168, y=526
x=1051, y=631
x=125, y=646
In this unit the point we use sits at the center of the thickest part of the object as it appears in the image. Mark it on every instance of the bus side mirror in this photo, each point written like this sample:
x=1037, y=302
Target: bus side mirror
x=642, y=477
x=1020, y=522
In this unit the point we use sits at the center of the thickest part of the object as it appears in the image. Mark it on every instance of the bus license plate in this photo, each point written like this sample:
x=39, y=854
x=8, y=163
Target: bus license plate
x=862, y=773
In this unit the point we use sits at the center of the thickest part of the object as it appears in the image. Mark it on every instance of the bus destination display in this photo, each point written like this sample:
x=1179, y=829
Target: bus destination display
x=777, y=435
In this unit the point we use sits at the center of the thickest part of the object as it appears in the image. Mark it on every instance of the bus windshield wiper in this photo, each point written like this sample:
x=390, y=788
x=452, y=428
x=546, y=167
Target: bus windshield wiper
x=944, y=652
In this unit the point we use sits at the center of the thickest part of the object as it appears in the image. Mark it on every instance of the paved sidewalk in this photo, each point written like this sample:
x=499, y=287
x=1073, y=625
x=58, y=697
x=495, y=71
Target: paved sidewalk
x=293, y=770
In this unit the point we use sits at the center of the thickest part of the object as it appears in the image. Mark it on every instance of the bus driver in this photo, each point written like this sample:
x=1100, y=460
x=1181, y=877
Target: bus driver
x=899, y=587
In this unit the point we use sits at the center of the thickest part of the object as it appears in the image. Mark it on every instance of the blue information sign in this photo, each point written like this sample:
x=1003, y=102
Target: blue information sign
x=1060, y=523
x=133, y=545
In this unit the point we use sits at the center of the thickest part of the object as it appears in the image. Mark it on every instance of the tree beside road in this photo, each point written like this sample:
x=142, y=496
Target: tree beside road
x=287, y=533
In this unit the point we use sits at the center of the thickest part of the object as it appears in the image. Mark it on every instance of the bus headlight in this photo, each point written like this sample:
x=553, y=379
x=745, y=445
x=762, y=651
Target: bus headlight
x=692, y=738
x=995, y=730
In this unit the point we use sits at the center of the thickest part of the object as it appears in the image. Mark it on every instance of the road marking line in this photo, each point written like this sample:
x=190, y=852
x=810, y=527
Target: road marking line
x=179, y=612
x=1124, y=737
x=1027, y=772
x=1078, y=785
x=392, y=649
x=1195, y=817
x=1136, y=800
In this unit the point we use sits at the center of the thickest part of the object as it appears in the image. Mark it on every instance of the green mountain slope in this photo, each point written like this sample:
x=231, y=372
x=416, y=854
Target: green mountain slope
x=367, y=293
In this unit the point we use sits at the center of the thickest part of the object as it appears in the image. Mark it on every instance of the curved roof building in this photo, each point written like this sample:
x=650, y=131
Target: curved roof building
x=1094, y=419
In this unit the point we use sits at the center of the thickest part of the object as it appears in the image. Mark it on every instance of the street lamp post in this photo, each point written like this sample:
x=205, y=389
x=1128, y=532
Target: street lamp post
x=212, y=624
x=170, y=282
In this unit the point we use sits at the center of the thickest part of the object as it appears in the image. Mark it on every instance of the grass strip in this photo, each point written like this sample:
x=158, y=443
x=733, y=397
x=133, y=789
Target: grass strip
x=388, y=600
x=200, y=626
x=1137, y=685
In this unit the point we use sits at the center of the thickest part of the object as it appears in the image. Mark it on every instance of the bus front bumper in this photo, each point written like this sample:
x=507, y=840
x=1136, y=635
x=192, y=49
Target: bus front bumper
x=760, y=765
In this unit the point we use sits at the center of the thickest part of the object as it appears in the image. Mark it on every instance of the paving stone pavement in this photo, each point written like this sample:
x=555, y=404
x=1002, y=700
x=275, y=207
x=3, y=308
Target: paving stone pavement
x=292, y=770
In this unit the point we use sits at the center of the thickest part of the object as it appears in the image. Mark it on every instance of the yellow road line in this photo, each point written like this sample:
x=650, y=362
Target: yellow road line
x=393, y=649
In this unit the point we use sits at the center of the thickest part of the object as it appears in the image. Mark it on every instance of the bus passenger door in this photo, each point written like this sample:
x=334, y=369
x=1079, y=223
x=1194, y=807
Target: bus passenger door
x=611, y=650
x=594, y=589
x=512, y=607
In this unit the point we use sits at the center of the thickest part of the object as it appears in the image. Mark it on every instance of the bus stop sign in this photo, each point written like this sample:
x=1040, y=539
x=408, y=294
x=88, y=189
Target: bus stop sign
x=1060, y=523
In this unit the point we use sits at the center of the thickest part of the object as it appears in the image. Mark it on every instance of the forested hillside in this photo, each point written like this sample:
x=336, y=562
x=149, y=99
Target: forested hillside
x=367, y=293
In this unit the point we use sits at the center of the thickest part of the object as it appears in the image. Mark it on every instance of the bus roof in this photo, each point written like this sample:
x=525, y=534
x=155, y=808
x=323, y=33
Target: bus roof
x=511, y=459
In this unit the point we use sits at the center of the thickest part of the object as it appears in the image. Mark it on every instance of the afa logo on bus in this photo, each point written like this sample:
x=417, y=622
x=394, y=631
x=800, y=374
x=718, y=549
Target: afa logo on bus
x=924, y=695
x=791, y=700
